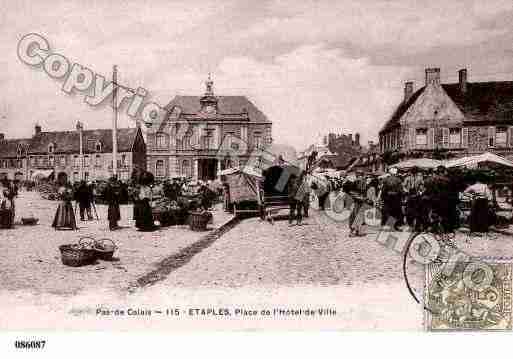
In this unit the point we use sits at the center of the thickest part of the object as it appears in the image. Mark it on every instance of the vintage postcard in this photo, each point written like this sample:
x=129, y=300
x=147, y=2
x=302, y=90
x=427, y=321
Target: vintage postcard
x=256, y=165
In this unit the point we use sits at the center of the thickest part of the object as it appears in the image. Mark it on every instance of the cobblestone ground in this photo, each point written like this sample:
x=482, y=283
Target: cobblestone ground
x=30, y=258
x=320, y=252
x=255, y=265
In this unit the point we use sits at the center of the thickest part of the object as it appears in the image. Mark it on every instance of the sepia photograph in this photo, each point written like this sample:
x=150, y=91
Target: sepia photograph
x=275, y=165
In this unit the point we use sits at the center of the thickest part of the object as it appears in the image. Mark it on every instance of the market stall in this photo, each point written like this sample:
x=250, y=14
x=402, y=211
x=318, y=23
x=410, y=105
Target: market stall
x=243, y=189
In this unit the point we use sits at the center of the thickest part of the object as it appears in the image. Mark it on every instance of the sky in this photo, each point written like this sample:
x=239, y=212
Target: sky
x=312, y=67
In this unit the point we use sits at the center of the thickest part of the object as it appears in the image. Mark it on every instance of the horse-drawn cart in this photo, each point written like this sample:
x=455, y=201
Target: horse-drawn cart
x=251, y=190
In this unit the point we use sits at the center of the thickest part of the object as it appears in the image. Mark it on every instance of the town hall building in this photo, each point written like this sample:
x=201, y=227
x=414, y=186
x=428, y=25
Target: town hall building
x=187, y=143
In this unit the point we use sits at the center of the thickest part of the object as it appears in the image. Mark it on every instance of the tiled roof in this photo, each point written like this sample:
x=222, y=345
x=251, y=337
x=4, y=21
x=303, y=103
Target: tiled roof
x=69, y=141
x=9, y=148
x=226, y=105
x=486, y=102
x=401, y=109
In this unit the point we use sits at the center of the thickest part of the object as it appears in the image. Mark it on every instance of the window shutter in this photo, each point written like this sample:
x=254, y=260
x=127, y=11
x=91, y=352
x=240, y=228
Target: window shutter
x=445, y=137
x=491, y=136
x=510, y=136
x=412, y=138
x=431, y=137
x=464, y=137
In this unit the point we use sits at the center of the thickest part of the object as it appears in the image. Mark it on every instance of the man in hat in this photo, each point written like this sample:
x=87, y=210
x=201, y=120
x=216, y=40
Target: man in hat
x=295, y=205
x=413, y=187
x=439, y=193
x=391, y=194
x=83, y=196
x=357, y=191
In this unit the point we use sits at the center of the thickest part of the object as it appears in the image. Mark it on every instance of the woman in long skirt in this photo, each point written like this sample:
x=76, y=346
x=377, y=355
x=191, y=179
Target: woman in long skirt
x=112, y=195
x=6, y=205
x=64, y=216
x=144, y=219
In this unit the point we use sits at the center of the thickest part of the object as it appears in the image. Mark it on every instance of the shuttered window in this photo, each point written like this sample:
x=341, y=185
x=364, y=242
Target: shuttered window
x=411, y=138
x=464, y=137
x=431, y=138
x=501, y=136
x=455, y=137
x=510, y=136
x=491, y=136
x=445, y=137
x=421, y=137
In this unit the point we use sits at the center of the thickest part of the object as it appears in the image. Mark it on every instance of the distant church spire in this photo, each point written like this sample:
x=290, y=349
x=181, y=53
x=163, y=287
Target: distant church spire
x=209, y=86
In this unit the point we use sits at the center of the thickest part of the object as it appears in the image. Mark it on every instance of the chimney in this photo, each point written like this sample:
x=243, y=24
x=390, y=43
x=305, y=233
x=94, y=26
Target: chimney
x=408, y=90
x=37, y=129
x=433, y=76
x=357, y=139
x=463, y=80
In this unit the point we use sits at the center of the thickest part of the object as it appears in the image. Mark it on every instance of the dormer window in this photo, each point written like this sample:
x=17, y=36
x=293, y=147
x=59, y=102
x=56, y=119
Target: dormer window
x=51, y=148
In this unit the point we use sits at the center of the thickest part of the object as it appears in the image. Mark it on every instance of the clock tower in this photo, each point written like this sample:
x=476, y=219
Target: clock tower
x=208, y=100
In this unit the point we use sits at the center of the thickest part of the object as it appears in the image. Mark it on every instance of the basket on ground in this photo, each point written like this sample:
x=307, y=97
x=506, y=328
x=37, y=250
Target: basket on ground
x=104, y=249
x=76, y=255
x=29, y=221
x=198, y=220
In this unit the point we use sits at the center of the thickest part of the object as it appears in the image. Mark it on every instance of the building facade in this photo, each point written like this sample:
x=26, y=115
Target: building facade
x=53, y=152
x=196, y=130
x=450, y=120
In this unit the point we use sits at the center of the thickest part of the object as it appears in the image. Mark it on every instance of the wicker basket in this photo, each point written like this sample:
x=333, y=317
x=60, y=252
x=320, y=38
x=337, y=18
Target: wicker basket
x=76, y=255
x=29, y=221
x=198, y=220
x=105, y=249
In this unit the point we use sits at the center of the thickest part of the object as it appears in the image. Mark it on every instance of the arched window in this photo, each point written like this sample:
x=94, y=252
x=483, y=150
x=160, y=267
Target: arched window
x=161, y=140
x=98, y=146
x=51, y=147
x=159, y=168
x=186, y=168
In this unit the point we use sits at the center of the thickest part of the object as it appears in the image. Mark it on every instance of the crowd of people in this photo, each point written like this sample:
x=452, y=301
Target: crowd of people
x=424, y=200
x=142, y=190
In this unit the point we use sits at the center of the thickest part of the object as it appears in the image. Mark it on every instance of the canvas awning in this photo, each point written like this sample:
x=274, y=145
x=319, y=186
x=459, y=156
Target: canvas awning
x=424, y=163
x=474, y=161
x=249, y=170
x=41, y=174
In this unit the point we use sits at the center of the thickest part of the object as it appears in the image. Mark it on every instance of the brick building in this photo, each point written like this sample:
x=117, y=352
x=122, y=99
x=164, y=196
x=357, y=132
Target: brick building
x=53, y=152
x=187, y=142
x=450, y=120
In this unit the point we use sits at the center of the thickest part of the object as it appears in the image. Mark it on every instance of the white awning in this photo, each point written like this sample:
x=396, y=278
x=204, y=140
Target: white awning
x=473, y=161
x=249, y=170
x=41, y=174
x=418, y=162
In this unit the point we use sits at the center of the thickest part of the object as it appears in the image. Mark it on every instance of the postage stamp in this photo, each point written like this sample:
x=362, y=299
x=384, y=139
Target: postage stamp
x=472, y=296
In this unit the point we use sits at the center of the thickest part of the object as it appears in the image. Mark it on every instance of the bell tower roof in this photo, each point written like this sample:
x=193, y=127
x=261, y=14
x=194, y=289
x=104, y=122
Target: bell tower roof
x=209, y=100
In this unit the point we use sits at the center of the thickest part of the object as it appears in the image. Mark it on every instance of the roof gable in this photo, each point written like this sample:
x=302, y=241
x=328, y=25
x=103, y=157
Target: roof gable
x=433, y=102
